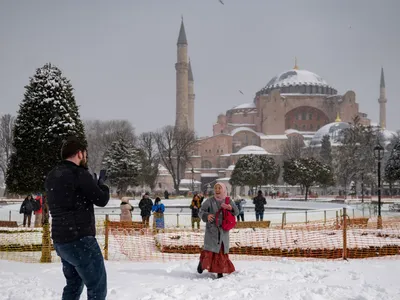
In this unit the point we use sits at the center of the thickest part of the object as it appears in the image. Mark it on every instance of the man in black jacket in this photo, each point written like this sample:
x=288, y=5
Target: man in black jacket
x=259, y=203
x=71, y=194
x=145, y=205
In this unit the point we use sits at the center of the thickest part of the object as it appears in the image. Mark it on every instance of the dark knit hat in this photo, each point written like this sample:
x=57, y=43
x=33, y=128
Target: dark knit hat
x=72, y=146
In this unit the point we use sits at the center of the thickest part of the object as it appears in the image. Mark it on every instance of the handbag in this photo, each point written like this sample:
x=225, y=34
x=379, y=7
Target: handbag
x=228, y=219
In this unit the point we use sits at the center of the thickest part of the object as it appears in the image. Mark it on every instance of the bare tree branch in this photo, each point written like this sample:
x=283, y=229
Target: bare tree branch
x=175, y=148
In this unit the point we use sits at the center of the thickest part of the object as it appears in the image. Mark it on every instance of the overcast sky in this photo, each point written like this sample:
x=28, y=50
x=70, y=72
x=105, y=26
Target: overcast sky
x=120, y=55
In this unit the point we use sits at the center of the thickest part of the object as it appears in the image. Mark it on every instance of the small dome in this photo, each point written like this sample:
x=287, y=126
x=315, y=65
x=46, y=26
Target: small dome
x=332, y=130
x=297, y=81
x=252, y=150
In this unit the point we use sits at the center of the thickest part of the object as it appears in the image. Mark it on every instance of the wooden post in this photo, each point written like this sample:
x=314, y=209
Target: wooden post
x=106, y=228
x=353, y=213
x=283, y=220
x=324, y=217
x=344, y=233
x=9, y=216
x=177, y=220
x=306, y=218
x=337, y=220
x=46, y=239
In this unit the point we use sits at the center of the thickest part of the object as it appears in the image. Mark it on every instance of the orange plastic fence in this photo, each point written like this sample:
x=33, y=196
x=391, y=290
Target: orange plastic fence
x=332, y=238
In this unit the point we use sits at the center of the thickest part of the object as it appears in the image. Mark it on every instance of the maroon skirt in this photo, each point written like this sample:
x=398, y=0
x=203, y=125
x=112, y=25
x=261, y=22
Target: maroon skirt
x=216, y=262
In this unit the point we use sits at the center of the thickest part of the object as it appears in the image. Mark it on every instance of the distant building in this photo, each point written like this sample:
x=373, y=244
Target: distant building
x=296, y=103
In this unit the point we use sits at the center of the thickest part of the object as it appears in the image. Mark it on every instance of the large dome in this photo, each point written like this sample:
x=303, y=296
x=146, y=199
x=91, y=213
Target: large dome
x=333, y=130
x=297, y=81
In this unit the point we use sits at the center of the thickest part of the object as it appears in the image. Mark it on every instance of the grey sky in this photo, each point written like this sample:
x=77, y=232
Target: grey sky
x=120, y=55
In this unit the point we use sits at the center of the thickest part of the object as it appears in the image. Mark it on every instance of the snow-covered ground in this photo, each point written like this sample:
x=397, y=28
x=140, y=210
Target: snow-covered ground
x=284, y=279
x=177, y=211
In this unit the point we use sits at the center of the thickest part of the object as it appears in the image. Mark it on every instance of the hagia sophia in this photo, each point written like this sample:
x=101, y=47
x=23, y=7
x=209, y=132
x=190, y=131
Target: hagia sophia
x=295, y=103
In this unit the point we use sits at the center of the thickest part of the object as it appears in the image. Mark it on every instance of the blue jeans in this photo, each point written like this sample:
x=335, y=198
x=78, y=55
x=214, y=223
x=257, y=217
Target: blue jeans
x=259, y=215
x=83, y=263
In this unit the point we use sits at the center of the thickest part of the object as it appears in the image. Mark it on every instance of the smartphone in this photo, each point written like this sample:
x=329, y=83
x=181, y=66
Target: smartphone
x=102, y=174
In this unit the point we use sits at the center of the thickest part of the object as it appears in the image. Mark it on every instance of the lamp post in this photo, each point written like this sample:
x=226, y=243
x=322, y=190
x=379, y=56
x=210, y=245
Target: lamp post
x=192, y=180
x=362, y=186
x=378, y=154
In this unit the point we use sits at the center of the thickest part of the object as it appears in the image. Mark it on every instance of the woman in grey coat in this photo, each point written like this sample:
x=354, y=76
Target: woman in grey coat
x=214, y=256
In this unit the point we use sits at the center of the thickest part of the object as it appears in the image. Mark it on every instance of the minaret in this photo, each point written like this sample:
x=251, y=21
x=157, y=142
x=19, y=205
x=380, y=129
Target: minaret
x=382, y=102
x=191, y=98
x=182, y=68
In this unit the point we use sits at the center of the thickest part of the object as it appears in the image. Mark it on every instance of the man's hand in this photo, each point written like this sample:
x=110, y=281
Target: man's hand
x=210, y=218
x=102, y=177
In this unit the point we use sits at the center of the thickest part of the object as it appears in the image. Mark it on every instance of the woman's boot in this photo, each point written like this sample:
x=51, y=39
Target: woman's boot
x=199, y=268
x=220, y=275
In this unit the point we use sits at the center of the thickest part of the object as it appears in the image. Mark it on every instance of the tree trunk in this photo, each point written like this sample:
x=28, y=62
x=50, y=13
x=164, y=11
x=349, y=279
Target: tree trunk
x=306, y=197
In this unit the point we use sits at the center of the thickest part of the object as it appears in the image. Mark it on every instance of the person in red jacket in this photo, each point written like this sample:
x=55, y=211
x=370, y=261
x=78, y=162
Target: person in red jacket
x=39, y=212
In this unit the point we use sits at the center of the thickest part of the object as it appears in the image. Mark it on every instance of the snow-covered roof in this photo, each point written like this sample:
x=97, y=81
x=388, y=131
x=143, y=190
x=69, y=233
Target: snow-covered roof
x=274, y=137
x=240, y=125
x=251, y=150
x=245, y=105
x=296, y=77
x=243, y=128
x=189, y=181
x=332, y=130
x=231, y=168
x=209, y=175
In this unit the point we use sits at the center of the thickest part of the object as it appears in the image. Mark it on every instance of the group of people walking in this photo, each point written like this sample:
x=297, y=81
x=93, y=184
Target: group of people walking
x=32, y=206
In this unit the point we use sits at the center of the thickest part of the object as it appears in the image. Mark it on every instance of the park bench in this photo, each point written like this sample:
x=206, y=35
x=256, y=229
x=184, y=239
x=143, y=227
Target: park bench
x=8, y=224
x=253, y=224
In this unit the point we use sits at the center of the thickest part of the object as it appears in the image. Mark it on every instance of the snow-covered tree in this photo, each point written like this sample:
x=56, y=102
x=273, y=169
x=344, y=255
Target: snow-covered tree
x=151, y=159
x=306, y=172
x=101, y=134
x=175, y=147
x=392, y=168
x=123, y=164
x=255, y=170
x=326, y=150
x=48, y=115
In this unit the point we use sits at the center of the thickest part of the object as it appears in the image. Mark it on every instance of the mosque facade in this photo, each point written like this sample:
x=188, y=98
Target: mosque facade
x=295, y=102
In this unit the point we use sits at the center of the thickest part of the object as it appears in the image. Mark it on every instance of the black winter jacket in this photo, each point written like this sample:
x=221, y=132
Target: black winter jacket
x=145, y=206
x=71, y=194
x=259, y=203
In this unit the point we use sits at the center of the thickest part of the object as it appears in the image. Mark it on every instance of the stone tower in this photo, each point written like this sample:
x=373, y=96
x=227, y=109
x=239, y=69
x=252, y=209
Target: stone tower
x=182, y=70
x=191, y=97
x=382, y=102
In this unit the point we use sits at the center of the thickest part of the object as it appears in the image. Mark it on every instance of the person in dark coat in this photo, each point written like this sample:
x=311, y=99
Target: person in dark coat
x=259, y=206
x=166, y=194
x=72, y=193
x=195, y=207
x=146, y=206
x=27, y=208
x=215, y=254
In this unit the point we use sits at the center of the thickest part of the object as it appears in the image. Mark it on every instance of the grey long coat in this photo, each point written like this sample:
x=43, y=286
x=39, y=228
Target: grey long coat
x=215, y=236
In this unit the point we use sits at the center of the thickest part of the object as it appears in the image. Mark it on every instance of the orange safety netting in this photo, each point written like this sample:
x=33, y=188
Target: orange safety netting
x=134, y=241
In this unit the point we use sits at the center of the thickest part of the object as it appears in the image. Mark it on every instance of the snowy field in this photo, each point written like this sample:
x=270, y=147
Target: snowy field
x=284, y=279
x=178, y=213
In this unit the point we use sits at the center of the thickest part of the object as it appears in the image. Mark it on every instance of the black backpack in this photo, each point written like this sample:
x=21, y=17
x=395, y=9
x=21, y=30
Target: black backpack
x=36, y=205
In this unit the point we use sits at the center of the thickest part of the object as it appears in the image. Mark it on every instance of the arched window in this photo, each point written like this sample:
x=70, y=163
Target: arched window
x=206, y=164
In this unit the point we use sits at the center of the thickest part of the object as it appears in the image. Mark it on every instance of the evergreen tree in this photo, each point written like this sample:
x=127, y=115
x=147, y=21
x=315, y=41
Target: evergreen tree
x=255, y=170
x=48, y=114
x=306, y=172
x=123, y=163
x=392, y=168
x=326, y=150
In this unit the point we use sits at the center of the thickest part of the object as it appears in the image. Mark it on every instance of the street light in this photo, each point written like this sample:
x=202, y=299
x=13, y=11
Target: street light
x=192, y=180
x=378, y=154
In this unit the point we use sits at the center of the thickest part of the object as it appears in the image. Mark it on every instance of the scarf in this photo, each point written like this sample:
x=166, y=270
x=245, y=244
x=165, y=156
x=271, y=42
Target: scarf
x=222, y=195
